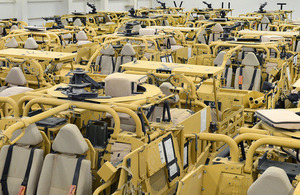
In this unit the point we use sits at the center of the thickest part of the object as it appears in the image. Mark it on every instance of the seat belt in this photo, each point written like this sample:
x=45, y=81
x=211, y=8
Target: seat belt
x=113, y=63
x=73, y=187
x=226, y=74
x=26, y=177
x=253, y=79
x=241, y=78
x=100, y=61
x=6, y=169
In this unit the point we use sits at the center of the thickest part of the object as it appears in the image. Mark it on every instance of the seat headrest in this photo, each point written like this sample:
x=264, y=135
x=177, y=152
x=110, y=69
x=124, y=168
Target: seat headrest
x=250, y=60
x=16, y=77
x=69, y=140
x=217, y=28
x=13, y=27
x=81, y=36
x=31, y=44
x=128, y=50
x=108, y=51
x=77, y=22
x=31, y=137
x=265, y=20
x=219, y=59
x=11, y=43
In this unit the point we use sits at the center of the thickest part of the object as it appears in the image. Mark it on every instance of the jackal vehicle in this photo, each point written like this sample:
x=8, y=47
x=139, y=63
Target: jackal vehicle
x=24, y=70
x=135, y=122
x=269, y=160
x=272, y=16
x=209, y=12
x=100, y=22
x=7, y=25
x=256, y=75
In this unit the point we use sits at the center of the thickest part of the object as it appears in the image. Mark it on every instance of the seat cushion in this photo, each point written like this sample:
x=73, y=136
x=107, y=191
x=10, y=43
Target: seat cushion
x=11, y=43
x=18, y=165
x=57, y=176
x=31, y=44
x=106, y=63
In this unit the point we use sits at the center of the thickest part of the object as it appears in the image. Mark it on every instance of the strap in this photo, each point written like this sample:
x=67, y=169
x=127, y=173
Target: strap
x=113, y=63
x=226, y=74
x=100, y=60
x=6, y=169
x=253, y=79
x=75, y=177
x=241, y=78
x=122, y=59
x=26, y=177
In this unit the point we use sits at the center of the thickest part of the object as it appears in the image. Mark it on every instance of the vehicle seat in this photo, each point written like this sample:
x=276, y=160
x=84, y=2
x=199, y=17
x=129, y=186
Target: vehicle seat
x=67, y=37
x=77, y=22
x=106, y=61
x=248, y=77
x=11, y=43
x=82, y=38
x=127, y=55
x=165, y=23
x=31, y=44
x=16, y=82
x=19, y=161
x=13, y=27
x=273, y=181
x=217, y=30
x=136, y=28
x=59, y=168
x=173, y=43
x=227, y=74
x=264, y=24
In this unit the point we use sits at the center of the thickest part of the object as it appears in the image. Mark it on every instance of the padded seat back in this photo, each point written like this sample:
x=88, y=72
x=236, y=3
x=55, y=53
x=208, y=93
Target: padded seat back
x=227, y=74
x=77, y=22
x=216, y=33
x=11, y=43
x=273, y=181
x=106, y=62
x=19, y=161
x=13, y=27
x=16, y=77
x=249, y=76
x=264, y=24
x=127, y=55
x=58, y=169
x=31, y=44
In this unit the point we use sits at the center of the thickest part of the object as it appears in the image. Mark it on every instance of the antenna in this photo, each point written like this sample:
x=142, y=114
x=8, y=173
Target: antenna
x=228, y=5
x=181, y=4
x=281, y=5
x=175, y=3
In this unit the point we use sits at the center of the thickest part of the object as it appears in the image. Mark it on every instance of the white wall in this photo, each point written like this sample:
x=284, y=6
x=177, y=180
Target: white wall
x=33, y=10
x=239, y=6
